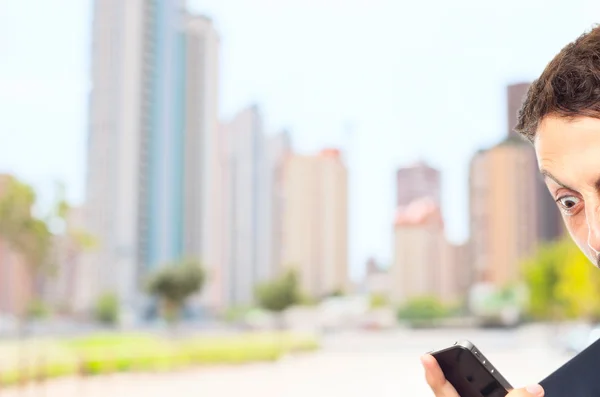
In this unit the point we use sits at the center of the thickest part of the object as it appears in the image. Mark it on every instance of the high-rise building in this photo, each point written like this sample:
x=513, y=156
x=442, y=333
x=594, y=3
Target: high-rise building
x=515, y=95
x=152, y=143
x=503, y=211
x=203, y=172
x=278, y=148
x=244, y=212
x=377, y=280
x=454, y=272
x=315, y=221
x=372, y=267
x=550, y=224
x=419, y=246
x=415, y=182
x=420, y=239
x=114, y=177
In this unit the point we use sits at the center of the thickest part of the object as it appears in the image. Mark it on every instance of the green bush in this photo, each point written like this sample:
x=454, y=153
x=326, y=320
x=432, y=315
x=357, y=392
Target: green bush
x=422, y=310
x=173, y=284
x=235, y=314
x=107, y=309
x=37, y=309
x=337, y=293
x=105, y=353
x=57, y=370
x=279, y=294
x=307, y=300
x=378, y=301
x=11, y=377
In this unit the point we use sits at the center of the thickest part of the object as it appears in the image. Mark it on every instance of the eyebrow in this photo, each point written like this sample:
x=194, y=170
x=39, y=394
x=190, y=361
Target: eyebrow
x=548, y=175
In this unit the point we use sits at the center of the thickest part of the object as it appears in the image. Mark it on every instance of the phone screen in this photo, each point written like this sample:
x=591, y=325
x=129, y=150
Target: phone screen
x=468, y=375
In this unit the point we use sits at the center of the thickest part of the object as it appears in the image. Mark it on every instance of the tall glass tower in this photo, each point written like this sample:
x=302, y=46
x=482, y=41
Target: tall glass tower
x=152, y=144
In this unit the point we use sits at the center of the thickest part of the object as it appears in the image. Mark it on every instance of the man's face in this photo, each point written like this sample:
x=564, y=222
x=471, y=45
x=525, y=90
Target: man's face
x=568, y=153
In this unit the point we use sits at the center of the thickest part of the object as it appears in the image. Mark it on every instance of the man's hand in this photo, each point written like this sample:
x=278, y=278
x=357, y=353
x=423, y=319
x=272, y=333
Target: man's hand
x=442, y=388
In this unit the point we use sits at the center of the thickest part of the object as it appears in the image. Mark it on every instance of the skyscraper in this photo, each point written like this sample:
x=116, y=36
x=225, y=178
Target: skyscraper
x=278, y=148
x=202, y=169
x=377, y=280
x=151, y=145
x=244, y=212
x=114, y=177
x=503, y=211
x=515, y=94
x=415, y=182
x=454, y=272
x=550, y=223
x=164, y=137
x=419, y=245
x=315, y=221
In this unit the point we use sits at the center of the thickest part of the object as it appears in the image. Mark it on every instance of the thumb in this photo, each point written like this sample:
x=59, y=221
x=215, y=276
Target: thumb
x=529, y=391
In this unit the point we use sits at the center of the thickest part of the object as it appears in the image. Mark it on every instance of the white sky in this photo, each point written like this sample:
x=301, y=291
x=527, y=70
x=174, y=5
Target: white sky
x=415, y=79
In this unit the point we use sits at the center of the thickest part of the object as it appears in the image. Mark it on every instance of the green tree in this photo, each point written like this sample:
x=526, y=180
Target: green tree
x=562, y=283
x=279, y=294
x=107, y=308
x=25, y=233
x=542, y=276
x=173, y=284
x=578, y=289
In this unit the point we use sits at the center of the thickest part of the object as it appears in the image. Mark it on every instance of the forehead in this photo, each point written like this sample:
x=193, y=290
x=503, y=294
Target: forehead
x=565, y=145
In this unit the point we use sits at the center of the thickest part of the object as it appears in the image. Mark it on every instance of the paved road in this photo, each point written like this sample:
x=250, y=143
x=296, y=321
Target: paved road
x=349, y=365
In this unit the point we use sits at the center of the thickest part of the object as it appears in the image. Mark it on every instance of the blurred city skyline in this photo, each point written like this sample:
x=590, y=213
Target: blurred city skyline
x=372, y=74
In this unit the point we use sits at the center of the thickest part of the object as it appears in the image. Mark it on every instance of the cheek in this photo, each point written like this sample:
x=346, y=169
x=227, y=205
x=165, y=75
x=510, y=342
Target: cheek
x=577, y=228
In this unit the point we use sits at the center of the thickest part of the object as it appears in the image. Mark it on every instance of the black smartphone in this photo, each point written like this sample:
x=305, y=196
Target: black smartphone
x=470, y=372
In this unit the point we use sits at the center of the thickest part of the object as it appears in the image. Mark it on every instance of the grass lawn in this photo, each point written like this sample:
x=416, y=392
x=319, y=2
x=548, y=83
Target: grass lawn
x=107, y=353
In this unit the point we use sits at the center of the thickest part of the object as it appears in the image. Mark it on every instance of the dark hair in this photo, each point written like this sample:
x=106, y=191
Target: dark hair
x=568, y=87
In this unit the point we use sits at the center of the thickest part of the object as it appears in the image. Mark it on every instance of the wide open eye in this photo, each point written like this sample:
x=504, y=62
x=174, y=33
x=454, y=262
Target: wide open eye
x=567, y=204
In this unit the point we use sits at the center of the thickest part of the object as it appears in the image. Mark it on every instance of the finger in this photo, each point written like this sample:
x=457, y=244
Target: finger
x=436, y=379
x=529, y=391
